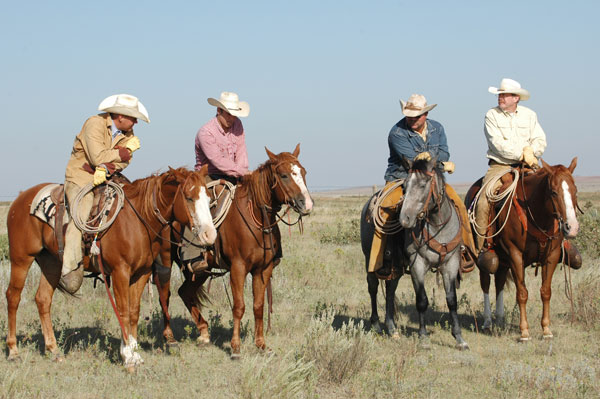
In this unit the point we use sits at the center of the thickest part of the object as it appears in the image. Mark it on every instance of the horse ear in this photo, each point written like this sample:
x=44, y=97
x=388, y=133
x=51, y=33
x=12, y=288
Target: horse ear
x=270, y=154
x=573, y=165
x=296, y=150
x=406, y=163
x=432, y=163
x=546, y=166
x=204, y=169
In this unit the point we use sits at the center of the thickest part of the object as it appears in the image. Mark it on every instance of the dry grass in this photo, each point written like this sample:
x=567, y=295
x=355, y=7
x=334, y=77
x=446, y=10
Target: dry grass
x=320, y=342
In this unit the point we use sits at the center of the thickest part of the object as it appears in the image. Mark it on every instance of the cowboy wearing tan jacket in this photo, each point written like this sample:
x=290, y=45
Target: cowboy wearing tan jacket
x=104, y=146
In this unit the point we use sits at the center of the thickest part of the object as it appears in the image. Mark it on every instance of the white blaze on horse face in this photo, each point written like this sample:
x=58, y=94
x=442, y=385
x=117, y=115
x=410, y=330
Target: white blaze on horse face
x=203, y=219
x=571, y=217
x=297, y=176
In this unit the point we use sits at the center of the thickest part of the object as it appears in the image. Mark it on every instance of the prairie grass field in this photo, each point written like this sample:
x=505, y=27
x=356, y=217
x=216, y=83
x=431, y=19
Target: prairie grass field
x=321, y=345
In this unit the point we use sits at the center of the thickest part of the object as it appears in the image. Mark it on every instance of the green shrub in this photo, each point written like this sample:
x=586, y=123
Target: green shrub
x=4, y=246
x=586, y=301
x=343, y=233
x=588, y=239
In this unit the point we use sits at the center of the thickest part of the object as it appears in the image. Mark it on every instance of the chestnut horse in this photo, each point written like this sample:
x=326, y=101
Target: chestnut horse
x=248, y=241
x=129, y=248
x=543, y=214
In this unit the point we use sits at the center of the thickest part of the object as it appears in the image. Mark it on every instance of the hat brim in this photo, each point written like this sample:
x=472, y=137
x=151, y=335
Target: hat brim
x=126, y=111
x=522, y=93
x=411, y=113
x=242, y=112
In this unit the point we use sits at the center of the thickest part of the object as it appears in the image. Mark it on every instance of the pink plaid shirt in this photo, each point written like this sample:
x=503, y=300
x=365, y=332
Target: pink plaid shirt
x=225, y=153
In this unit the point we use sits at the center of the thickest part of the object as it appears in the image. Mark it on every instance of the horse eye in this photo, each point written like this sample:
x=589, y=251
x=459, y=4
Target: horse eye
x=554, y=194
x=189, y=199
x=284, y=176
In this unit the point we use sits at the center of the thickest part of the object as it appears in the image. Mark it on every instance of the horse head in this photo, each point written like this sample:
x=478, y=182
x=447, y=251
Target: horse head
x=423, y=191
x=290, y=180
x=191, y=206
x=563, y=194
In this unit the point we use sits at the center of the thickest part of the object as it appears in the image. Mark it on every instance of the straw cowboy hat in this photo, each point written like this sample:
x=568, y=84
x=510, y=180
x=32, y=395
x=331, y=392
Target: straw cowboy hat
x=231, y=103
x=510, y=86
x=416, y=105
x=125, y=104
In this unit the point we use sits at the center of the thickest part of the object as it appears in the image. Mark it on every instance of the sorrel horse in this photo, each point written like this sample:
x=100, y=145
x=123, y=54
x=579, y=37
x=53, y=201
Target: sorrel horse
x=432, y=238
x=128, y=249
x=248, y=241
x=543, y=215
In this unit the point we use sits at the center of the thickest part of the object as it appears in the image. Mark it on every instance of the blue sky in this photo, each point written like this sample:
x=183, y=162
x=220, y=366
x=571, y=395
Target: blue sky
x=326, y=74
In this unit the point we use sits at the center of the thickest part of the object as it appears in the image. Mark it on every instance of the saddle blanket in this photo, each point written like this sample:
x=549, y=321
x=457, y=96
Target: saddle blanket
x=44, y=208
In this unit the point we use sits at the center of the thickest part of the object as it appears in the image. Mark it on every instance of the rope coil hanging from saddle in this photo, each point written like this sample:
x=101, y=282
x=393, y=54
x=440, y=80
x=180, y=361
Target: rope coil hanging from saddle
x=490, y=194
x=383, y=226
x=112, y=191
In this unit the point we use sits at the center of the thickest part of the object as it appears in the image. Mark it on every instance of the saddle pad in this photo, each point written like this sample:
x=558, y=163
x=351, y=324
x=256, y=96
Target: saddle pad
x=43, y=208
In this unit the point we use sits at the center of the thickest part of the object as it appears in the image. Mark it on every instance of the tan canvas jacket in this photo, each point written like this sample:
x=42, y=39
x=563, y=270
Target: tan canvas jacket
x=95, y=146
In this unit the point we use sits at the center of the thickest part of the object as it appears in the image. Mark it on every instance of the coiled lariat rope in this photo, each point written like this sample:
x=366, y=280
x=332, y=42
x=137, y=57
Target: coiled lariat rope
x=383, y=226
x=488, y=189
x=218, y=219
x=87, y=226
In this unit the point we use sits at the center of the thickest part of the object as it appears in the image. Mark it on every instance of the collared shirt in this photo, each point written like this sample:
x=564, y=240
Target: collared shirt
x=403, y=142
x=224, y=152
x=115, y=131
x=508, y=133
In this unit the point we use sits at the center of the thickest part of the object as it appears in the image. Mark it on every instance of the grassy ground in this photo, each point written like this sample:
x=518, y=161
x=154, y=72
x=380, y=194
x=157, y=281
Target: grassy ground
x=320, y=340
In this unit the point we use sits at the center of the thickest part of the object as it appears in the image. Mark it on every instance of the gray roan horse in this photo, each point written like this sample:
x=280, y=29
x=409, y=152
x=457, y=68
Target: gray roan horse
x=432, y=238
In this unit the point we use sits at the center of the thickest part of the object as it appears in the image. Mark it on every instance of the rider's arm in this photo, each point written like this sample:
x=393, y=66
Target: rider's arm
x=211, y=149
x=538, y=137
x=97, y=152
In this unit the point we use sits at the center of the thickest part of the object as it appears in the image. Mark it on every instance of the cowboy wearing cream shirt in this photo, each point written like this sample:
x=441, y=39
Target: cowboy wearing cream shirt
x=104, y=146
x=513, y=134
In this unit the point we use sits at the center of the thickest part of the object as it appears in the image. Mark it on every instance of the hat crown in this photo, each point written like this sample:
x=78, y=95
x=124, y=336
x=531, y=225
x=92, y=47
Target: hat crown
x=416, y=102
x=124, y=104
x=509, y=84
x=230, y=100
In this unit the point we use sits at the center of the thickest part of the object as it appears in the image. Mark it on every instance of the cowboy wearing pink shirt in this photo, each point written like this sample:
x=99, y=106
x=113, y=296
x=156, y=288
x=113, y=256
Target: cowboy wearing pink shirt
x=221, y=143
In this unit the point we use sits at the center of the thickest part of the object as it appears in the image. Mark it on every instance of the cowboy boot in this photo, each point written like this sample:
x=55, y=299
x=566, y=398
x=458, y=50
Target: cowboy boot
x=572, y=257
x=71, y=282
x=488, y=260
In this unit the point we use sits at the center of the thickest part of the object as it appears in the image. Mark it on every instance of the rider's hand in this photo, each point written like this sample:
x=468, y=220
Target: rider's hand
x=448, y=167
x=528, y=157
x=133, y=144
x=99, y=175
x=423, y=156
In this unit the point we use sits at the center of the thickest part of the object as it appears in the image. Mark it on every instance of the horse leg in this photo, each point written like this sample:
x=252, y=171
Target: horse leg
x=449, y=275
x=188, y=292
x=373, y=284
x=484, y=282
x=417, y=272
x=51, y=268
x=546, y=293
x=259, y=284
x=500, y=282
x=522, y=294
x=163, y=286
x=120, y=280
x=18, y=274
x=136, y=290
x=390, y=306
x=238, y=277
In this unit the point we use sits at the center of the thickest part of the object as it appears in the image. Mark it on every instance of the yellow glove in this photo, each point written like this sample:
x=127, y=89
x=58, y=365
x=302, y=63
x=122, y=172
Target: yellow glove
x=528, y=157
x=448, y=167
x=133, y=144
x=423, y=155
x=99, y=176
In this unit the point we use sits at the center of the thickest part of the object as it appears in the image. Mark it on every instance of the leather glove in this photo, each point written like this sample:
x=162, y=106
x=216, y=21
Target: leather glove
x=133, y=144
x=528, y=157
x=99, y=175
x=423, y=155
x=448, y=167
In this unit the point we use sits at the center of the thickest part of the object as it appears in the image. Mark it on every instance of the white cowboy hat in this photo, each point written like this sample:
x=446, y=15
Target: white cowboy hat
x=415, y=106
x=125, y=104
x=510, y=86
x=231, y=103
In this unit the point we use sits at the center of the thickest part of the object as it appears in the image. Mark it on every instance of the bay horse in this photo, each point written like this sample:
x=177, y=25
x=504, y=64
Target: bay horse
x=248, y=242
x=432, y=238
x=129, y=248
x=543, y=215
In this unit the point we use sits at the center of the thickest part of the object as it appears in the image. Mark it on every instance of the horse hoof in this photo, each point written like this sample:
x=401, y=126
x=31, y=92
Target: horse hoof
x=172, y=348
x=548, y=337
x=130, y=369
x=524, y=339
x=57, y=357
x=14, y=357
x=236, y=356
x=202, y=341
x=462, y=346
x=396, y=335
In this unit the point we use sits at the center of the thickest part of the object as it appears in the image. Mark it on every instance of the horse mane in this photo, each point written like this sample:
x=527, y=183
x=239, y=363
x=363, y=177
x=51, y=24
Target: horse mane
x=259, y=182
x=143, y=189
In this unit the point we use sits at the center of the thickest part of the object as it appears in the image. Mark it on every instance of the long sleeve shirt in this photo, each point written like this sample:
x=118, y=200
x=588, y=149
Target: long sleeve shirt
x=224, y=152
x=404, y=142
x=508, y=133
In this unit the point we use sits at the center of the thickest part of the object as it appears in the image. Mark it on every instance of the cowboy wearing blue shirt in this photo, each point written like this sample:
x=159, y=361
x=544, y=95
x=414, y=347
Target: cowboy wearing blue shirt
x=415, y=137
